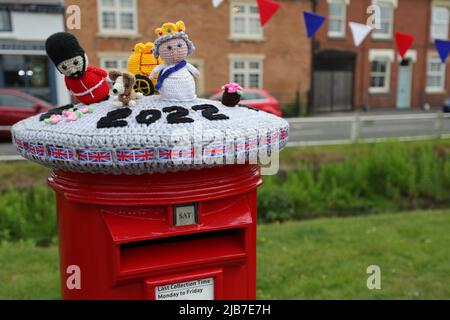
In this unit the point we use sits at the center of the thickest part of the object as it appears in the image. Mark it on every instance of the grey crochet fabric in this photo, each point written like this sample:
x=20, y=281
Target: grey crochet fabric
x=134, y=144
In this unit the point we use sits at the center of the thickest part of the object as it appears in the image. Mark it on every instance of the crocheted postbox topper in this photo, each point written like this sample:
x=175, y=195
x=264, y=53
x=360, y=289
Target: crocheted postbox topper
x=171, y=131
x=153, y=136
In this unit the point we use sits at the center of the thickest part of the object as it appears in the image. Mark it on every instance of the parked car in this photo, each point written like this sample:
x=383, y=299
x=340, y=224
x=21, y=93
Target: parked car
x=446, y=106
x=15, y=106
x=257, y=98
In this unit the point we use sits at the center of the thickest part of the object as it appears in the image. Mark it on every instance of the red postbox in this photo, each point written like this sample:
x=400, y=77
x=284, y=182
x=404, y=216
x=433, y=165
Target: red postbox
x=183, y=235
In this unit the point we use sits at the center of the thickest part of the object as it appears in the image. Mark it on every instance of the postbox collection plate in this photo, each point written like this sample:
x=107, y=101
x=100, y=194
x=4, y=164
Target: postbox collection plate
x=202, y=289
x=185, y=214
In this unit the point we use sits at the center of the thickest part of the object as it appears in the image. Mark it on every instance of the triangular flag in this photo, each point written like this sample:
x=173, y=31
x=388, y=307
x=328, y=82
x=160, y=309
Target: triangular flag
x=404, y=42
x=360, y=32
x=216, y=3
x=443, y=47
x=313, y=22
x=267, y=9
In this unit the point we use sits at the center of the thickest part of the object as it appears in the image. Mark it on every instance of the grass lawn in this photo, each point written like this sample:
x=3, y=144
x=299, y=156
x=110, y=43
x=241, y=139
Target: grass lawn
x=319, y=259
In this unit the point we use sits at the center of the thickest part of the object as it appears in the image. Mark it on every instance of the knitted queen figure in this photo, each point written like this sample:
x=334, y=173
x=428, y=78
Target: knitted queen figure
x=176, y=76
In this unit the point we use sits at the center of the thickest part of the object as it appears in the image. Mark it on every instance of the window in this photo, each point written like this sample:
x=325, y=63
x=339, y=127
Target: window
x=247, y=72
x=12, y=100
x=439, y=23
x=337, y=15
x=245, y=22
x=380, y=75
x=108, y=63
x=435, y=75
x=386, y=20
x=246, y=95
x=5, y=21
x=117, y=16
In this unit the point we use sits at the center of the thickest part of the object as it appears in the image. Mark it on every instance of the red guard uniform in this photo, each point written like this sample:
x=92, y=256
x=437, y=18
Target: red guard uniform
x=90, y=87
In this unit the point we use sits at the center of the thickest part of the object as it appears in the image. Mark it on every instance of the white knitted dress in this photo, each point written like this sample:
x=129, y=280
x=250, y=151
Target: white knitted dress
x=179, y=86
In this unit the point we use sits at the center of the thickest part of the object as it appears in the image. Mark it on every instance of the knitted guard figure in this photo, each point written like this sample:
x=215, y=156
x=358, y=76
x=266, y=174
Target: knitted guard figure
x=88, y=84
x=176, y=76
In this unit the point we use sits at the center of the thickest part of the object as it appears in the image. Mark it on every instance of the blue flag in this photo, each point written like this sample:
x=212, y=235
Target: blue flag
x=443, y=47
x=313, y=22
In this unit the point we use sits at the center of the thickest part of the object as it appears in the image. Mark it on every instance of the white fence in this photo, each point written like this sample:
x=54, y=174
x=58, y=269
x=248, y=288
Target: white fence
x=357, y=122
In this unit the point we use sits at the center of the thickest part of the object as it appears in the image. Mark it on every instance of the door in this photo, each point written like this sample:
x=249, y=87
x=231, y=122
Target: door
x=333, y=81
x=404, y=85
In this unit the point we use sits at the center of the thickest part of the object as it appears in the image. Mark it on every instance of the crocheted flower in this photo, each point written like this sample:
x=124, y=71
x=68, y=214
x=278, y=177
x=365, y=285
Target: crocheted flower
x=54, y=119
x=71, y=116
x=233, y=87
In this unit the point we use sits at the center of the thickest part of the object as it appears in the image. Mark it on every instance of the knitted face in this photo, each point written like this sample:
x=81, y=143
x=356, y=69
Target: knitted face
x=73, y=67
x=173, y=51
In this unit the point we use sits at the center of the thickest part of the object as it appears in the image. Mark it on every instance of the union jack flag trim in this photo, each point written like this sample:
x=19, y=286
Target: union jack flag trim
x=133, y=156
x=20, y=146
x=251, y=144
x=89, y=156
x=271, y=137
x=284, y=134
x=240, y=146
x=181, y=154
x=165, y=154
x=60, y=153
x=36, y=149
x=227, y=149
x=213, y=151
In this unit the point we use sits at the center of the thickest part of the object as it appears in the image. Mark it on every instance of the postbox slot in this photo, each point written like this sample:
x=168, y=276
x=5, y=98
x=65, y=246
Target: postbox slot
x=178, y=251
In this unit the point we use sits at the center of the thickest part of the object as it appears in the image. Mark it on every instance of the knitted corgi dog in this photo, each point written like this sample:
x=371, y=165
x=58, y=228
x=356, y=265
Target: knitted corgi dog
x=122, y=89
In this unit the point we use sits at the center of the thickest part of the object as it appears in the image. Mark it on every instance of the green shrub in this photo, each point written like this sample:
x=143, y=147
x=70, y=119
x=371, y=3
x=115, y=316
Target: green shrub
x=385, y=177
x=28, y=214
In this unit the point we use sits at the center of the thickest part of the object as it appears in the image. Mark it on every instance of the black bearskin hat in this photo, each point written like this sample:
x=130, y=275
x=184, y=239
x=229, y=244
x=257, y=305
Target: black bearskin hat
x=62, y=46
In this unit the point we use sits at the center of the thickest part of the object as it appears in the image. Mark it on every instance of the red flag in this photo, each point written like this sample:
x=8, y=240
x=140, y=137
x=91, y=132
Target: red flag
x=267, y=9
x=404, y=42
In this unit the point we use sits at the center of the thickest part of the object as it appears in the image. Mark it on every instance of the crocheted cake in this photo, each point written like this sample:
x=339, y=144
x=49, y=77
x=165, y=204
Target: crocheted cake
x=154, y=136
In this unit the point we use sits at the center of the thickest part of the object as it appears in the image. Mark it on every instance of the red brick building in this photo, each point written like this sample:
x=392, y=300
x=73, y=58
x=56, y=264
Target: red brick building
x=230, y=43
x=373, y=75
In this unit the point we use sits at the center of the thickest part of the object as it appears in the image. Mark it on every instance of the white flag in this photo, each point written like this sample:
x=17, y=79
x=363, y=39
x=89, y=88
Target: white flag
x=360, y=32
x=216, y=3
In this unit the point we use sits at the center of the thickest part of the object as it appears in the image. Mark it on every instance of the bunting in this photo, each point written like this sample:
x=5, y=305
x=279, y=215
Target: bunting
x=313, y=22
x=267, y=9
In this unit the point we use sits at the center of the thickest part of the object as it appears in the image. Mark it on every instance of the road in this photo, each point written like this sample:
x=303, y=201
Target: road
x=339, y=128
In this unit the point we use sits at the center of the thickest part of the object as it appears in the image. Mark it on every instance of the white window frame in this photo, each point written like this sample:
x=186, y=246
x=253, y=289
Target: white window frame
x=387, y=55
x=444, y=35
x=441, y=74
x=341, y=33
x=10, y=32
x=247, y=15
x=247, y=71
x=117, y=10
x=120, y=58
x=393, y=4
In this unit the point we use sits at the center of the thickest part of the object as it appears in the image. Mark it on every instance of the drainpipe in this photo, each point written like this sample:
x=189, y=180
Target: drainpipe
x=313, y=45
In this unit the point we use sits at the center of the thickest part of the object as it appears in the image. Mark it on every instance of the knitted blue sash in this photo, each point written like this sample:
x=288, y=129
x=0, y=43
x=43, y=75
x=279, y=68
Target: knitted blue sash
x=167, y=72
